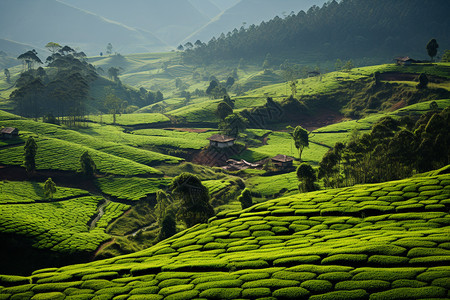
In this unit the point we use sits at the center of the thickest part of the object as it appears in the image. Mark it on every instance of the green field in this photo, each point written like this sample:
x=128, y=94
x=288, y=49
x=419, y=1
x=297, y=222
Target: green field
x=131, y=119
x=54, y=154
x=14, y=192
x=379, y=241
x=133, y=188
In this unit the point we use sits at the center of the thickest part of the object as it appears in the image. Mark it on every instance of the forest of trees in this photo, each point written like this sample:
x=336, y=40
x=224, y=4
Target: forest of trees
x=61, y=91
x=348, y=29
x=394, y=149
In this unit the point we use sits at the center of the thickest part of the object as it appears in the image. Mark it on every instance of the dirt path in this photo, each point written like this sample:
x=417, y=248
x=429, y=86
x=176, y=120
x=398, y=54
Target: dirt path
x=101, y=212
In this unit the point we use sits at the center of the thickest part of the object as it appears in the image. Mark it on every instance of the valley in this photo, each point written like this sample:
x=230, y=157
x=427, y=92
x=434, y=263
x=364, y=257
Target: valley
x=193, y=174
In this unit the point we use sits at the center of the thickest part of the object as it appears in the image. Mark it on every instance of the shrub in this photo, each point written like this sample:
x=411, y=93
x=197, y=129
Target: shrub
x=221, y=293
x=175, y=289
x=270, y=283
x=317, y=286
x=49, y=296
x=387, y=260
x=219, y=284
x=407, y=292
x=335, y=276
x=182, y=295
x=407, y=283
x=296, y=260
x=291, y=293
x=368, y=285
x=345, y=259
x=173, y=281
x=256, y=293
x=299, y=276
x=254, y=276
x=341, y=295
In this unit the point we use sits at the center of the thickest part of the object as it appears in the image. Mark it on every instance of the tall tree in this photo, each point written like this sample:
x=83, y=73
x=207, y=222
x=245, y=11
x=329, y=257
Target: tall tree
x=245, y=198
x=30, y=150
x=432, y=47
x=301, y=140
x=29, y=58
x=233, y=124
x=223, y=110
x=109, y=48
x=53, y=47
x=194, y=199
x=306, y=176
x=7, y=75
x=114, y=105
x=423, y=81
x=49, y=188
x=87, y=165
x=113, y=73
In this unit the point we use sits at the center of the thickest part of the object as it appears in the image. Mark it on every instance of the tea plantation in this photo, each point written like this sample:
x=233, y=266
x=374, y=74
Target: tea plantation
x=60, y=224
x=378, y=241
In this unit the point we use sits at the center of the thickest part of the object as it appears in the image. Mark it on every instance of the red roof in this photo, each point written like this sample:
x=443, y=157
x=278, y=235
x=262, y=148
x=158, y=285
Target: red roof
x=221, y=138
x=282, y=158
x=9, y=130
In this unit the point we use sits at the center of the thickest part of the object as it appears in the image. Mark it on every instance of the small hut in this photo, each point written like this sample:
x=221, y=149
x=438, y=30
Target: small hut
x=221, y=141
x=282, y=161
x=9, y=132
x=405, y=61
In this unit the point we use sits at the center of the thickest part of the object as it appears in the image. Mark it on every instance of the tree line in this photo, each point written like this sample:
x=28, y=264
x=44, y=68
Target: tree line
x=61, y=92
x=344, y=29
x=394, y=149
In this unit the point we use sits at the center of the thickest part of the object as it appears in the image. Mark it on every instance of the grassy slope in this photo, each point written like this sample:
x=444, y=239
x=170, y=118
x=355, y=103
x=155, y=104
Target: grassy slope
x=61, y=224
x=386, y=241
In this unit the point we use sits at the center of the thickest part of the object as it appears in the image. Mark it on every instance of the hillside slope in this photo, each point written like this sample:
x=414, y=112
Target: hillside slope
x=51, y=20
x=380, y=241
x=243, y=12
x=169, y=20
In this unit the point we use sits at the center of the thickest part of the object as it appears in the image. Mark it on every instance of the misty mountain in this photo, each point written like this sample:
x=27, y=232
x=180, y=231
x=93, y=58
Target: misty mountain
x=206, y=7
x=169, y=20
x=14, y=48
x=38, y=22
x=224, y=4
x=250, y=12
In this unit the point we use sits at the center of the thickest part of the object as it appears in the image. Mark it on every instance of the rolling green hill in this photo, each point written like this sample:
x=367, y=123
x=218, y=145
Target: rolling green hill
x=379, y=241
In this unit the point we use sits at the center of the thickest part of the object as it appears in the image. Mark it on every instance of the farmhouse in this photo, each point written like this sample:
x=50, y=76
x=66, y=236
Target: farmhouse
x=405, y=61
x=221, y=141
x=9, y=132
x=282, y=161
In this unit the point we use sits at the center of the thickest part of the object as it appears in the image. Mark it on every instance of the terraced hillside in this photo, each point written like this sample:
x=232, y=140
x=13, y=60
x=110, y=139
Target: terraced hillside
x=379, y=241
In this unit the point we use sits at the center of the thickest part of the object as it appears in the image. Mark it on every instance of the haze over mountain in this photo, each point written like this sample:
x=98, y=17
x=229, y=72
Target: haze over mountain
x=38, y=22
x=169, y=20
x=206, y=7
x=249, y=12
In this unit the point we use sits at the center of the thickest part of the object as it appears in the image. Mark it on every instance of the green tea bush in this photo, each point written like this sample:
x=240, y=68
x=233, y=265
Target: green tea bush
x=317, y=286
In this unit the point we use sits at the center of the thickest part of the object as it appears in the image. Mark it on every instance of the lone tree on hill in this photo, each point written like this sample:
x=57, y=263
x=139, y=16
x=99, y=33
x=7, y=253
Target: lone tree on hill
x=223, y=110
x=306, y=176
x=87, y=165
x=432, y=47
x=301, y=140
x=245, y=198
x=423, y=81
x=109, y=48
x=194, y=199
x=7, y=75
x=30, y=154
x=233, y=124
x=49, y=188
